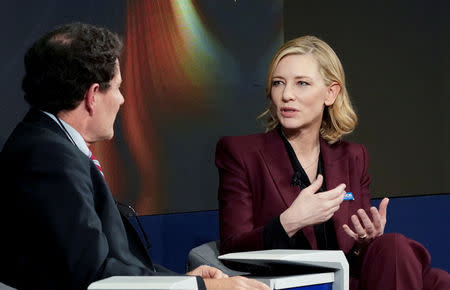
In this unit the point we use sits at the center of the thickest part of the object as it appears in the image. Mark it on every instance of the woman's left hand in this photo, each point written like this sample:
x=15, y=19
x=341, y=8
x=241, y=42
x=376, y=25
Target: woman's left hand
x=369, y=229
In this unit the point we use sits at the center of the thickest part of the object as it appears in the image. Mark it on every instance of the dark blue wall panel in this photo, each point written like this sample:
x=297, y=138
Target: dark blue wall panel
x=173, y=235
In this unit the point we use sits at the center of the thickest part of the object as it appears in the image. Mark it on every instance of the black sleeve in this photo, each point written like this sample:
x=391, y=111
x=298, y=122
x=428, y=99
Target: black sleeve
x=275, y=237
x=200, y=283
x=355, y=259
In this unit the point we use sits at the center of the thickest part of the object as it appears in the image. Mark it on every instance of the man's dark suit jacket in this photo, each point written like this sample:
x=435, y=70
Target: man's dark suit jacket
x=254, y=188
x=61, y=228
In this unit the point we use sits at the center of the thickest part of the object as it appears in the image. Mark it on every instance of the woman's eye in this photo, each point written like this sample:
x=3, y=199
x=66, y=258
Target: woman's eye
x=276, y=83
x=302, y=83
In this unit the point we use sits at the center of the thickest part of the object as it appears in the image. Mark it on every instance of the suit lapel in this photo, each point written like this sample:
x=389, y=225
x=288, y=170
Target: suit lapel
x=280, y=168
x=336, y=169
x=277, y=161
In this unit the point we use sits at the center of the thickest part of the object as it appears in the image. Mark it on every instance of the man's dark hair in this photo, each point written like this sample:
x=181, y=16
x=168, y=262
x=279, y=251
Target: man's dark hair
x=64, y=63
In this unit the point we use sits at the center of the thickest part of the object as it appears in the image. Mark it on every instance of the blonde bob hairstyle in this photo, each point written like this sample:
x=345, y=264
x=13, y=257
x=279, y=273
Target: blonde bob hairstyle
x=339, y=118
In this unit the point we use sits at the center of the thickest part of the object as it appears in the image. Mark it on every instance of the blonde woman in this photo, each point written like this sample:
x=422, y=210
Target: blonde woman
x=299, y=186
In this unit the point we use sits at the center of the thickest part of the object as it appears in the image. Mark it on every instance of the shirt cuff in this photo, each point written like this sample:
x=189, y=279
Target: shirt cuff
x=200, y=283
x=274, y=235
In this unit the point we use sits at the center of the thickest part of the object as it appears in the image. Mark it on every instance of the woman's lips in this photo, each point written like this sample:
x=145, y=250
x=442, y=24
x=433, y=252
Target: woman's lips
x=288, y=112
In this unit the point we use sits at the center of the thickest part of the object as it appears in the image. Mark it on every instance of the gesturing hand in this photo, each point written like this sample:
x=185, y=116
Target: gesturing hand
x=310, y=208
x=369, y=229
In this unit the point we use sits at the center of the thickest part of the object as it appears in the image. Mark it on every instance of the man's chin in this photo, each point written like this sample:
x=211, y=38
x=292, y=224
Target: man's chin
x=109, y=137
x=106, y=137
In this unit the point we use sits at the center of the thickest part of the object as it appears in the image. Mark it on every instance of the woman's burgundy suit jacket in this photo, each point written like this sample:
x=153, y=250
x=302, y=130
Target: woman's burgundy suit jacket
x=255, y=175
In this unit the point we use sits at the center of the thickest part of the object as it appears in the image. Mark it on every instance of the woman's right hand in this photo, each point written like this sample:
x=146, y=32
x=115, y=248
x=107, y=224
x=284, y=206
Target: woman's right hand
x=310, y=208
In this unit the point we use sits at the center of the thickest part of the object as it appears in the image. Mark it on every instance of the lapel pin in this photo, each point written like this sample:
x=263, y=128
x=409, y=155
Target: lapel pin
x=348, y=196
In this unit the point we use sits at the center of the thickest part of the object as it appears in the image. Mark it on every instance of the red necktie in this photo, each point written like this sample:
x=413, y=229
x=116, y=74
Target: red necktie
x=94, y=159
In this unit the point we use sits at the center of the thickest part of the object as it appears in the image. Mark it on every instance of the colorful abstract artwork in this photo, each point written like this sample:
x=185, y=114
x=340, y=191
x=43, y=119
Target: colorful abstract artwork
x=192, y=72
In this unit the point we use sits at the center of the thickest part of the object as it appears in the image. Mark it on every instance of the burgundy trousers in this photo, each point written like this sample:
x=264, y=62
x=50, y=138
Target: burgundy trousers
x=393, y=261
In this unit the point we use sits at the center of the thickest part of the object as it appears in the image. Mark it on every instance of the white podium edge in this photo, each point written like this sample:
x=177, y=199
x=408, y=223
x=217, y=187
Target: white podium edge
x=145, y=282
x=317, y=258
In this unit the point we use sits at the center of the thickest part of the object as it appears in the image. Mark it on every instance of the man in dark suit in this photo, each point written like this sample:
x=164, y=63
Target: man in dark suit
x=62, y=228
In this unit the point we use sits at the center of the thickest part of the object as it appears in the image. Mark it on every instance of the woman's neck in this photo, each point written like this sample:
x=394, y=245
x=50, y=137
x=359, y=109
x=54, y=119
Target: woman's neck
x=304, y=142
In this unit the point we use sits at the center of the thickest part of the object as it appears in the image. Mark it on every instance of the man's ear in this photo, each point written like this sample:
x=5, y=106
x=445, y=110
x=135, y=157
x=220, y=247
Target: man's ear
x=90, y=98
x=332, y=92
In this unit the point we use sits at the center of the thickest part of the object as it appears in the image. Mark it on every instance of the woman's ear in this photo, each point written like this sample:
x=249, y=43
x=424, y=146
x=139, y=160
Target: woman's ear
x=332, y=92
x=89, y=98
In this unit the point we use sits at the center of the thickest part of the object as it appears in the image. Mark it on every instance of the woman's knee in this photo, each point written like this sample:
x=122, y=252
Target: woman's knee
x=390, y=241
x=399, y=245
